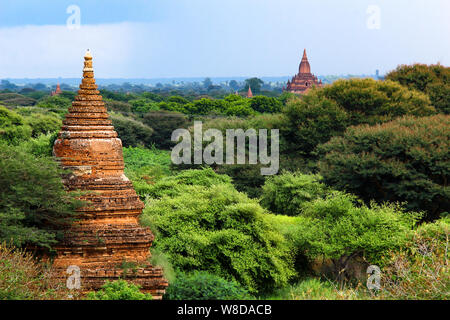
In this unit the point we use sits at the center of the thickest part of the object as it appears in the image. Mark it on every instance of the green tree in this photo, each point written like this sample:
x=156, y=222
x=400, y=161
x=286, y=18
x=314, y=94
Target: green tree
x=312, y=120
x=132, y=132
x=433, y=80
x=219, y=230
x=370, y=101
x=403, y=160
x=13, y=128
x=34, y=206
x=288, y=193
x=163, y=124
x=255, y=84
x=340, y=229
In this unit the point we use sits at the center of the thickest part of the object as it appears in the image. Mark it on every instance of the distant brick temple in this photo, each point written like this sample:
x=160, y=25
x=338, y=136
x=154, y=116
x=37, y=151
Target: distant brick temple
x=57, y=91
x=304, y=80
x=107, y=235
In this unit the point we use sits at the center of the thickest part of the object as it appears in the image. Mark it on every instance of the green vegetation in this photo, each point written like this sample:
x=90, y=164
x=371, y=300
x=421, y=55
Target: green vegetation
x=289, y=193
x=219, y=230
x=200, y=285
x=119, y=290
x=403, y=160
x=434, y=80
x=364, y=171
x=33, y=203
x=22, y=278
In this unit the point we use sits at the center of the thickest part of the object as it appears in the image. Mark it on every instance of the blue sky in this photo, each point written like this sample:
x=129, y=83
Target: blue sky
x=199, y=38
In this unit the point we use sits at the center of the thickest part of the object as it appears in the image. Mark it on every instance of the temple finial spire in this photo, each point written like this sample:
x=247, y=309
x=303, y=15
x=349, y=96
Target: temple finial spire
x=304, y=55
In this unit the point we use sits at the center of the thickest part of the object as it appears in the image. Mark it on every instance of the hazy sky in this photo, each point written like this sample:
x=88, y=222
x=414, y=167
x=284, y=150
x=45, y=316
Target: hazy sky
x=199, y=38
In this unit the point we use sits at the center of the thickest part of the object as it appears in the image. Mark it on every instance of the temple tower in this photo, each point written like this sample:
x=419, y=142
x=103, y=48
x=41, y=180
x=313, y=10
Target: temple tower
x=304, y=80
x=107, y=233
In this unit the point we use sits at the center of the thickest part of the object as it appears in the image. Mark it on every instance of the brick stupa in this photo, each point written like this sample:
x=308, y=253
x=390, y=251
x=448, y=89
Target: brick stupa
x=107, y=234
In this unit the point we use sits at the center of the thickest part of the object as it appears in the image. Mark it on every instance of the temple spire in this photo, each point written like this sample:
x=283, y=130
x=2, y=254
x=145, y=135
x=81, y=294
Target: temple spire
x=249, y=93
x=304, y=65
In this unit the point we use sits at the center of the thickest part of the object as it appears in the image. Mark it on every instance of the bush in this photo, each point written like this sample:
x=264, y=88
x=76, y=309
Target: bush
x=204, y=286
x=434, y=80
x=143, y=105
x=403, y=160
x=219, y=230
x=132, y=132
x=163, y=124
x=14, y=100
x=311, y=121
x=144, y=167
x=41, y=146
x=43, y=124
x=340, y=229
x=118, y=106
x=34, y=205
x=119, y=290
x=289, y=192
x=22, y=278
x=55, y=102
x=370, y=101
x=13, y=129
x=315, y=289
x=420, y=269
x=264, y=104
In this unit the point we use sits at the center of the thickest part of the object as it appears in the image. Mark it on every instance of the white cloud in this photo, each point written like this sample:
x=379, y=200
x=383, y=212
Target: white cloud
x=54, y=51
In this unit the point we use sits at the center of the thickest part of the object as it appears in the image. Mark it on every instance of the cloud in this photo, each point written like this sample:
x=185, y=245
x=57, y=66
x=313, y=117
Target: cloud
x=54, y=51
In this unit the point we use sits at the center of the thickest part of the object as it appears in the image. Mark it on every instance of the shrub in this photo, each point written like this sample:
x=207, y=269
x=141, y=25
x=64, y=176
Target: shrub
x=419, y=270
x=434, y=80
x=55, y=102
x=163, y=124
x=143, y=105
x=13, y=129
x=132, y=132
x=370, y=101
x=289, y=192
x=119, y=290
x=204, y=286
x=340, y=229
x=34, y=204
x=14, y=99
x=43, y=124
x=41, y=146
x=311, y=121
x=315, y=289
x=144, y=167
x=22, y=278
x=403, y=160
x=118, y=106
x=219, y=230
x=264, y=104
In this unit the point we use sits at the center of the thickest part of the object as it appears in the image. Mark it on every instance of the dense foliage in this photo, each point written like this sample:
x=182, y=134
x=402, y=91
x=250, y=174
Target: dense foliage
x=288, y=193
x=434, y=80
x=13, y=128
x=33, y=203
x=225, y=231
x=219, y=230
x=119, y=290
x=403, y=160
x=340, y=229
x=200, y=285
